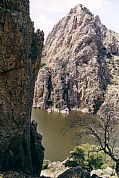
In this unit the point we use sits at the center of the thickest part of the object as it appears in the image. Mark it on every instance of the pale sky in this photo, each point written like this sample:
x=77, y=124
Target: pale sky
x=46, y=13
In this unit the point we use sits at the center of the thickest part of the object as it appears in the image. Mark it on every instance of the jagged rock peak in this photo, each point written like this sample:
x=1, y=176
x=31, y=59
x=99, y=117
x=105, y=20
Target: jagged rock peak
x=75, y=16
x=74, y=73
x=80, y=9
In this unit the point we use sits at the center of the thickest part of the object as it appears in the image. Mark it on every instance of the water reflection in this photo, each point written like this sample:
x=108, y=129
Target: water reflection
x=60, y=133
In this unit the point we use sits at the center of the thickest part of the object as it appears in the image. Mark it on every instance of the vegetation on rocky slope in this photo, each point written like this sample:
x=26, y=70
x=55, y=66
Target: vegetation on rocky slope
x=89, y=157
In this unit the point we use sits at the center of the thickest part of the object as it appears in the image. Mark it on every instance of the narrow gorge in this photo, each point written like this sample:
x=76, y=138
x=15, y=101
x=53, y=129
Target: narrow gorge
x=77, y=69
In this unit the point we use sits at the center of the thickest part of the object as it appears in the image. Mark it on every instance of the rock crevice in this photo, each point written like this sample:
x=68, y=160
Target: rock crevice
x=74, y=59
x=20, y=52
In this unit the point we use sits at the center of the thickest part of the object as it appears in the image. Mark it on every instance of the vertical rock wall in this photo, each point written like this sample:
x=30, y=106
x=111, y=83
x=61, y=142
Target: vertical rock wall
x=20, y=50
x=74, y=60
x=74, y=74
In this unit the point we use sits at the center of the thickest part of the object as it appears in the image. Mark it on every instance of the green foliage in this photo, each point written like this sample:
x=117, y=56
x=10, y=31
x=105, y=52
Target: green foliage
x=45, y=164
x=88, y=157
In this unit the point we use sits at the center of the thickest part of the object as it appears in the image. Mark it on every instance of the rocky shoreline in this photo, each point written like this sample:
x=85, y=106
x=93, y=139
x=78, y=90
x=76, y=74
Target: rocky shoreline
x=64, y=111
x=55, y=169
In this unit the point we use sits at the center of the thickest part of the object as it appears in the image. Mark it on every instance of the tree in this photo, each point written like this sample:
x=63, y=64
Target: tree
x=102, y=129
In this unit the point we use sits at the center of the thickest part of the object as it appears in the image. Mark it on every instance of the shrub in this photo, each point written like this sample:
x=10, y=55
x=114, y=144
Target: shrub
x=88, y=157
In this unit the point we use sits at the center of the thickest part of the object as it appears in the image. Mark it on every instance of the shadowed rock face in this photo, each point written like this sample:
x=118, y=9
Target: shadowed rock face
x=20, y=52
x=76, y=172
x=74, y=73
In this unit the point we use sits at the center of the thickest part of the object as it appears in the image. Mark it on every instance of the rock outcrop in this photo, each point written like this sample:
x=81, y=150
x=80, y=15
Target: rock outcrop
x=74, y=72
x=76, y=172
x=20, y=52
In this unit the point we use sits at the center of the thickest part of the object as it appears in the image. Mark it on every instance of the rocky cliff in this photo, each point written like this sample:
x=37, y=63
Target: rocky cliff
x=76, y=65
x=20, y=52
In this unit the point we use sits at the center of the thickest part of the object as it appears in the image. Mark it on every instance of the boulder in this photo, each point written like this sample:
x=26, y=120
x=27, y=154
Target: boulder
x=76, y=172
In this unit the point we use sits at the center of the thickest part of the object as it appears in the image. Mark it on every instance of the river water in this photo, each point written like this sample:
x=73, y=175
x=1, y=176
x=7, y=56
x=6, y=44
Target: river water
x=60, y=133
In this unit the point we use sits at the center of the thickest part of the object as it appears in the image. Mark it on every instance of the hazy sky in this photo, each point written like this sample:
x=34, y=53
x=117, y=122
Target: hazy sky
x=46, y=13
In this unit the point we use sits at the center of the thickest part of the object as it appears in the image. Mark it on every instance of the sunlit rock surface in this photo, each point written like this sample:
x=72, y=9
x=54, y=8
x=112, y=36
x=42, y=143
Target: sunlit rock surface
x=74, y=73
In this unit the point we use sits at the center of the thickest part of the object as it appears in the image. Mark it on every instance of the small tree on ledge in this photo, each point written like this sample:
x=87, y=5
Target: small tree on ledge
x=102, y=129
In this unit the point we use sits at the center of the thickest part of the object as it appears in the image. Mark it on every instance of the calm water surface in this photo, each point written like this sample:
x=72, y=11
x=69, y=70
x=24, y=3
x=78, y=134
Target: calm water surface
x=60, y=133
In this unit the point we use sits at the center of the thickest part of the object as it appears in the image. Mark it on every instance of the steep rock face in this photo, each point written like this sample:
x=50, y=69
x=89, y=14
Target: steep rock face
x=20, y=51
x=74, y=73
x=112, y=92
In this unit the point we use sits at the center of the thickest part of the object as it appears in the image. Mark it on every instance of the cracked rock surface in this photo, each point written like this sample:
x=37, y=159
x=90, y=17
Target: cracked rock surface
x=74, y=74
x=20, y=52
